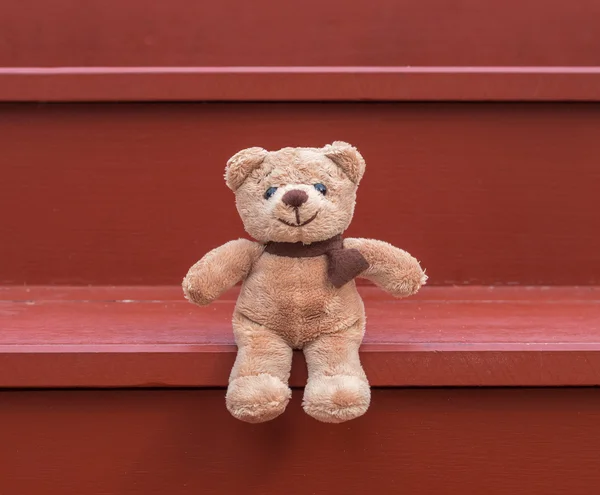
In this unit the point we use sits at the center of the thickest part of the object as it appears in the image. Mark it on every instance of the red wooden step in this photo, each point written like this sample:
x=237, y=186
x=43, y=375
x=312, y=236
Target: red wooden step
x=501, y=441
x=105, y=84
x=446, y=336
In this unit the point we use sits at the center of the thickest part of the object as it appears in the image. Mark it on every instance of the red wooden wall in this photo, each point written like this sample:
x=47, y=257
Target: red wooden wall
x=482, y=193
x=421, y=442
x=134, y=194
x=479, y=121
x=185, y=33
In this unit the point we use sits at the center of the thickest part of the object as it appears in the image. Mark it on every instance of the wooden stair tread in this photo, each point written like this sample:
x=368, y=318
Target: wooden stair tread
x=444, y=336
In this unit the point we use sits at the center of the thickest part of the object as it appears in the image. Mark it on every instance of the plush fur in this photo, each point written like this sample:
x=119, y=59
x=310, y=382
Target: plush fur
x=289, y=302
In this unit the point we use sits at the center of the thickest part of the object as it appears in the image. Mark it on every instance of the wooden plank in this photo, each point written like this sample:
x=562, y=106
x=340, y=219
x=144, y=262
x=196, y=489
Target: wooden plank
x=384, y=50
x=451, y=441
x=168, y=293
x=118, y=194
x=300, y=84
x=444, y=337
x=187, y=33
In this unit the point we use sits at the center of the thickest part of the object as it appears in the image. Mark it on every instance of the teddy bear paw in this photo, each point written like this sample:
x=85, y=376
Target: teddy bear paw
x=335, y=399
x=258, y=398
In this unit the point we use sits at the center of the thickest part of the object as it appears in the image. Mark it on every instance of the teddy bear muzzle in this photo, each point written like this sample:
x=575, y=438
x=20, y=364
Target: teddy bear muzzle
x=295, y=198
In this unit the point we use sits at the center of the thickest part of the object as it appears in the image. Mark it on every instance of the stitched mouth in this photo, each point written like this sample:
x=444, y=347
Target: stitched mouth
x=289, y=224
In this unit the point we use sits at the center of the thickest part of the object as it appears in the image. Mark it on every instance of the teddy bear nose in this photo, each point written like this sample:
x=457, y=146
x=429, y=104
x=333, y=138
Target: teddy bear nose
x=295, y=198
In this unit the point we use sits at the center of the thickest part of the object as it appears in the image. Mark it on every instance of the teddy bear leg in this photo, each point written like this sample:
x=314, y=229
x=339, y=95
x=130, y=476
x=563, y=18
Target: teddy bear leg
x=258, y=389
x=337, y=389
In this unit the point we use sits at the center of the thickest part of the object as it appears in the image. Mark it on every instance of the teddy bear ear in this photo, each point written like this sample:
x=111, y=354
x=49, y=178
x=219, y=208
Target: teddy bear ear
x=240, y=165
x=348, y=158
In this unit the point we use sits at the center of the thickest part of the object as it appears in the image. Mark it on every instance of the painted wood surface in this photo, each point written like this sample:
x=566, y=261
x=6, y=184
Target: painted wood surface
x=152, y=337
x=452, y=441
x=134, y=194
x=187, y=33
x=105, y=50
x=185, y=84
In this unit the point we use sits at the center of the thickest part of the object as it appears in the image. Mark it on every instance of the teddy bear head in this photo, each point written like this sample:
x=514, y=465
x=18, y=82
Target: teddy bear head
x=296, y=194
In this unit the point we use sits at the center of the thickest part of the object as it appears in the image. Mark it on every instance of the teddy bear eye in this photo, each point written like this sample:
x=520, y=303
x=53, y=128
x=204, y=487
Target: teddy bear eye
x=321, y=188
x=269, y=192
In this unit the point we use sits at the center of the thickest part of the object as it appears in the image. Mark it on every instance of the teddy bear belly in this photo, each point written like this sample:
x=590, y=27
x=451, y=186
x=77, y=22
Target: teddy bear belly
x=293, y=297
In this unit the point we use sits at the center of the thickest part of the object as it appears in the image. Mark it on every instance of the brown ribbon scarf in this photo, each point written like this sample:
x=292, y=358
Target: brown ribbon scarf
x=343, y=264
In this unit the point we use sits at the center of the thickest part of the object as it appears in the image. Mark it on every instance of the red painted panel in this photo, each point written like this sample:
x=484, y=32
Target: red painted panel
x=262, y=32
x=451, y=442
x=134, y=194
x=301, y=84
x=127, y=337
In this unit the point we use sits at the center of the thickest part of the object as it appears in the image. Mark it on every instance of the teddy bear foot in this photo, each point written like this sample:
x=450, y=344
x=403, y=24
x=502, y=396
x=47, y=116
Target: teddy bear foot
x=335, y=399
x=256, y=399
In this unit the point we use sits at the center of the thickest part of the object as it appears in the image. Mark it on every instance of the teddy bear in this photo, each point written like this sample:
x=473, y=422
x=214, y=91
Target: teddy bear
x=298, y=281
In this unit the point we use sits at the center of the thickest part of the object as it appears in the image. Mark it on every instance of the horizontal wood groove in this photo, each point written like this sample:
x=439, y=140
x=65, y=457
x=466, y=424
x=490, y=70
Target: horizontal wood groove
x=445, y=336
x=63, y=84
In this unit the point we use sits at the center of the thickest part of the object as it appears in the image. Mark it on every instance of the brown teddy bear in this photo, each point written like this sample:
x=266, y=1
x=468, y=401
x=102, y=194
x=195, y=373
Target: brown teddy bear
x=298, y=287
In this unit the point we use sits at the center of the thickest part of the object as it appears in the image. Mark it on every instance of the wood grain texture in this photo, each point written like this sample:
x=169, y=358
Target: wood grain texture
x=187, y=33
x=427, y=442
x=134, y=194
x=151, y=337
x=300, y=84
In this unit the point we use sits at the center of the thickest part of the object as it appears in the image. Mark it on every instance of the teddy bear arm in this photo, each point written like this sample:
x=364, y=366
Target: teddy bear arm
x=219, y=270
x=391, y=268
